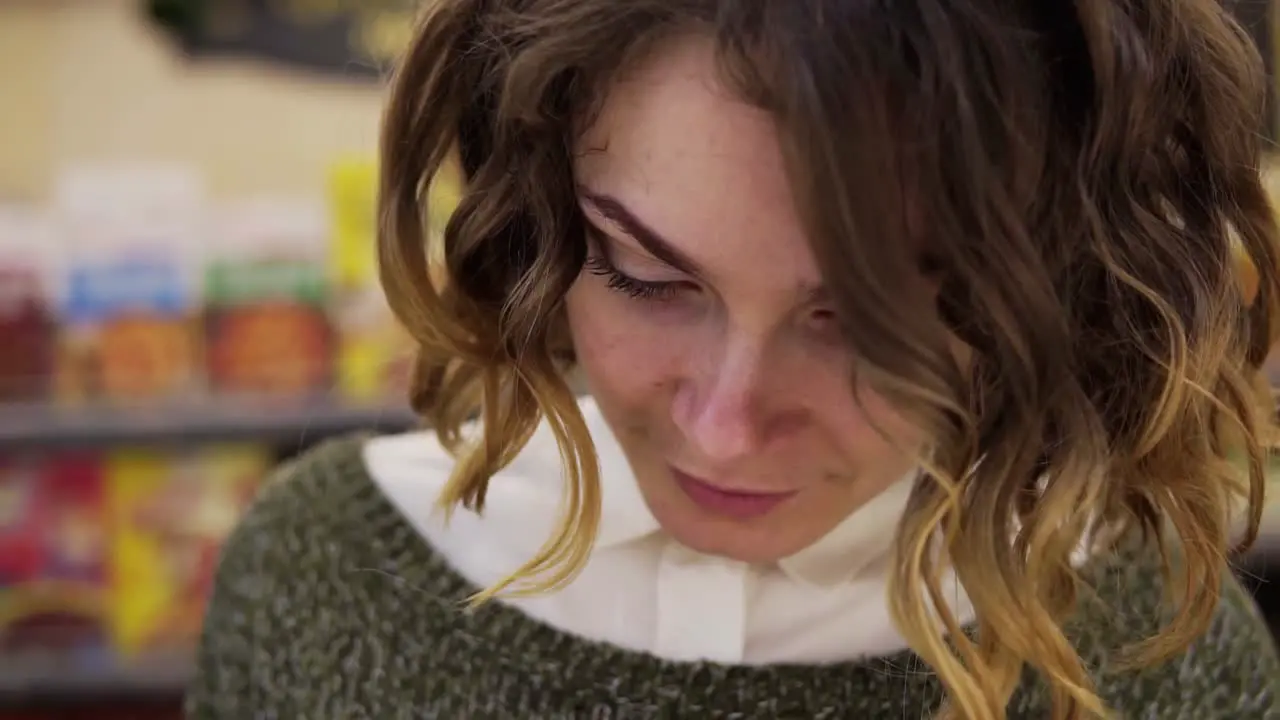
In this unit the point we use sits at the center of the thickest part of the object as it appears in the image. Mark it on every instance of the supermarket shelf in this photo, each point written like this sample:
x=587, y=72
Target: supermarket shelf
x=214, y=419
x=50, y=678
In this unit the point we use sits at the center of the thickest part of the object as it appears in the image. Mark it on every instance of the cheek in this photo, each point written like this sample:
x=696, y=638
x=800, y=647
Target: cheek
x=868, y=431
x=621, y=358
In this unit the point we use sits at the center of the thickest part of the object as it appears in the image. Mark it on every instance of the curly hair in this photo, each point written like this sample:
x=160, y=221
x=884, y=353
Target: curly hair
x=1079, y=176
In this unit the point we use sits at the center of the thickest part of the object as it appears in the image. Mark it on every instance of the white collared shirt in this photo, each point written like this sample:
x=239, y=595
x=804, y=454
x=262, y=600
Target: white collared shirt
x=642, y=591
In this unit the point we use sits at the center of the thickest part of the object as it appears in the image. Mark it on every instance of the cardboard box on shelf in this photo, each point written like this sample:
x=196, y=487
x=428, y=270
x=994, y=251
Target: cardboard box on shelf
x=170, y=512
x=53, y=574
x=374, y=352
x=269, y=332
x=27, y=325
x=129, y=320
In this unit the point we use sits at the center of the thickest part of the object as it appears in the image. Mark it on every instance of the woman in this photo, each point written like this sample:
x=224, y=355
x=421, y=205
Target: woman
x=916, y=354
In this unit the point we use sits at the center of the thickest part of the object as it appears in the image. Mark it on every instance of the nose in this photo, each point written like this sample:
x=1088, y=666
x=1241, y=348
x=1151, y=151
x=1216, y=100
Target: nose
x=718, y=408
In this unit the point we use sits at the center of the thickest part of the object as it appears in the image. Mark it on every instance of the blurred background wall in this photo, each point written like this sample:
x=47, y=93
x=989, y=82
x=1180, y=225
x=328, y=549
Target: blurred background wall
x=92, y=80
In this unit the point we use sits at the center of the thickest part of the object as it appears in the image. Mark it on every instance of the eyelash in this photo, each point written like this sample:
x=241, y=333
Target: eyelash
x=632, y=287
x=647, y=290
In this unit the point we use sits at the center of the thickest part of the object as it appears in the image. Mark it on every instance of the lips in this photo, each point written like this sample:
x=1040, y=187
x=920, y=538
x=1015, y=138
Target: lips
x=737, y=504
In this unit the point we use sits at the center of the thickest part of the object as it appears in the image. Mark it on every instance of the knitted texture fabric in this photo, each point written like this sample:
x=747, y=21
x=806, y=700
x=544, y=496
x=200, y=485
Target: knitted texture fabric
x=329, y=605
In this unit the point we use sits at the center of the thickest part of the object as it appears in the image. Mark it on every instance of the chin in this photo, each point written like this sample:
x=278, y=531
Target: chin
x=750, y=553
x=757, y=541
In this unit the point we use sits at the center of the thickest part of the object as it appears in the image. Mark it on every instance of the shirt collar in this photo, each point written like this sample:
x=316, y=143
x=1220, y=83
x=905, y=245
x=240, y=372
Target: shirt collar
x=856, y=543
x=524, y=501
x=625, y=515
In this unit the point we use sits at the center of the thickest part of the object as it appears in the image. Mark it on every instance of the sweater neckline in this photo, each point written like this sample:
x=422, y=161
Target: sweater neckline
x=523, y=643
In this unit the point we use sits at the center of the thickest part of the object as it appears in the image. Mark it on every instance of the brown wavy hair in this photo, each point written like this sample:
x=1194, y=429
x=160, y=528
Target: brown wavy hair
x=1079, y=176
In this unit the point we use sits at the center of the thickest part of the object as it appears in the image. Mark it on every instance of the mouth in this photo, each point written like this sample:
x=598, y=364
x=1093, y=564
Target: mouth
x=737, y=504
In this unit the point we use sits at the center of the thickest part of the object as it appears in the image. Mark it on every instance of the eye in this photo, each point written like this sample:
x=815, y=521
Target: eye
x=634, y=287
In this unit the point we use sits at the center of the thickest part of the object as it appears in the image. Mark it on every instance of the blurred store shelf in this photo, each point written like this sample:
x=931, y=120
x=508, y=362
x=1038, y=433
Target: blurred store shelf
x=30, y=426
x=53, y=678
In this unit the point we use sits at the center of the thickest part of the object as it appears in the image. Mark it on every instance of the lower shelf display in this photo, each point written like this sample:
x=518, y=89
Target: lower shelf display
x=106, y=563
x=46, y=677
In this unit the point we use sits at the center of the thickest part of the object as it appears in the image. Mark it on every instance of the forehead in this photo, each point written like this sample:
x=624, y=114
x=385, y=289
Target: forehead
x=698, y=165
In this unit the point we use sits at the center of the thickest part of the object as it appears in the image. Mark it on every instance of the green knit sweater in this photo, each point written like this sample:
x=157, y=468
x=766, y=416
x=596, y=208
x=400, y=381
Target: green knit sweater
x=328, y=604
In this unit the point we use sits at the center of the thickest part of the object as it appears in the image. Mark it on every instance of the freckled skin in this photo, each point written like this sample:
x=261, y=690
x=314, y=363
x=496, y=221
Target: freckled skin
x=733, y=375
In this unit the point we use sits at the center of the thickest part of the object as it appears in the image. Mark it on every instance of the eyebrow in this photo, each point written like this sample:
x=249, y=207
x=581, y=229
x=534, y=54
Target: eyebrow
x=615, y=212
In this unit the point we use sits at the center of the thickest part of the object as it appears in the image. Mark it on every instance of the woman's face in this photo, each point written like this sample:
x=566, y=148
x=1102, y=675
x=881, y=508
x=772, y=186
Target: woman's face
x=702, y=327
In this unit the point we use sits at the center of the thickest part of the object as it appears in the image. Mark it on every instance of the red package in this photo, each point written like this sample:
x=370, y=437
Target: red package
x=52, y=554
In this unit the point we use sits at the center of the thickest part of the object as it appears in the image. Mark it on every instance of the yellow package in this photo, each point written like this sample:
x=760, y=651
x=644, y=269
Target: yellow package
x=171, y=512
x=374, y=352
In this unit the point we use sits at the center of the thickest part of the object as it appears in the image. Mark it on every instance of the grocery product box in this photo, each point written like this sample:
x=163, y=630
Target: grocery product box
x=53, y=570
x=266, y=289
x=130, y=306
x=28, y=261
x=170, y=512
x=374, y=352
